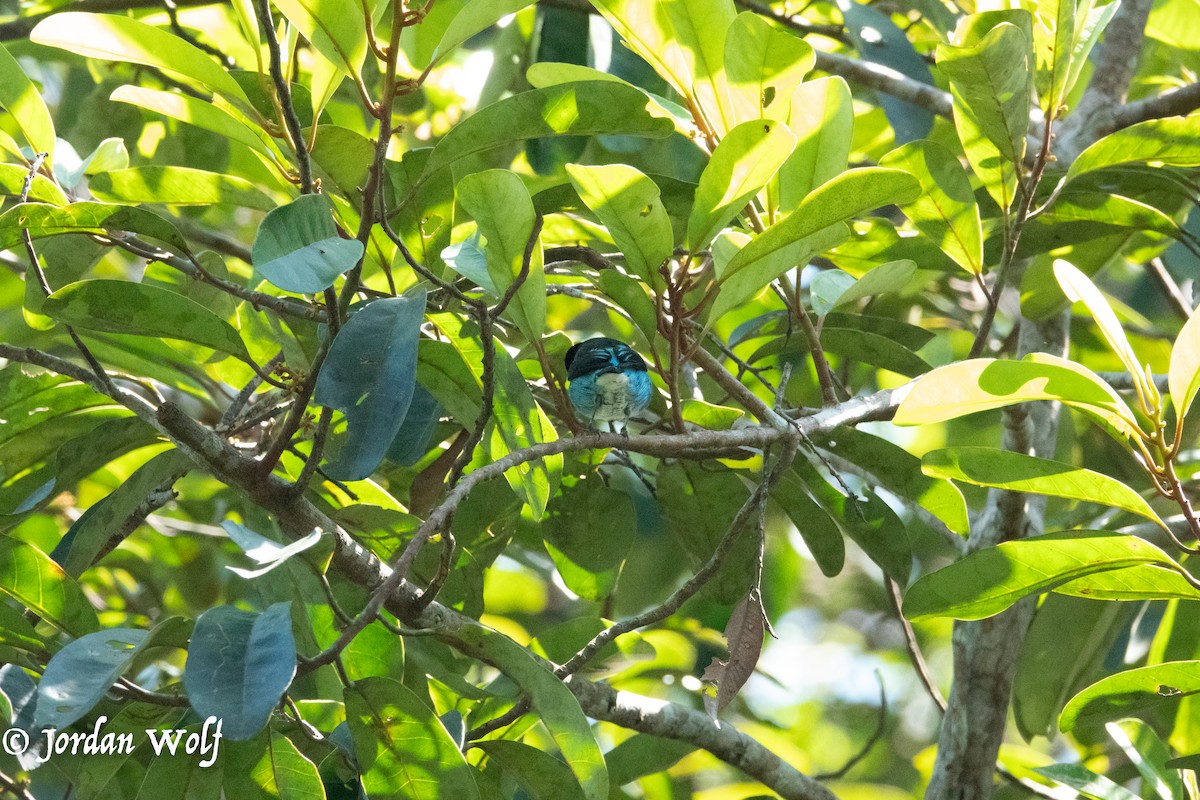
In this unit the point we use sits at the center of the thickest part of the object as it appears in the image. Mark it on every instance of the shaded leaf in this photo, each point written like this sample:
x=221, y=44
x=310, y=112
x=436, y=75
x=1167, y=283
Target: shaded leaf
x=142, y=310
x=1172, y=141
x=47, y=220
x=540, y=774
x=179, y=186
x=79, y=675
x=298, y=248
x=239, y=664
x=369, y=376
x=401, y=747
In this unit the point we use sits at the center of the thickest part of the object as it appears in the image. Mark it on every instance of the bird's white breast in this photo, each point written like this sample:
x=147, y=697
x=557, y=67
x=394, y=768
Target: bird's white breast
x=613, y=392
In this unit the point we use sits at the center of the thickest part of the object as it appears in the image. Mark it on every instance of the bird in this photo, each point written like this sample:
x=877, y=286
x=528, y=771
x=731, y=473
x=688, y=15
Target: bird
x=607, y=381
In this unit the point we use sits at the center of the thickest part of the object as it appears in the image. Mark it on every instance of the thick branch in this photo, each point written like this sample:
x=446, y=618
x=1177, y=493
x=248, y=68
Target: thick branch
x=1177, y=102
x=1116, y=63
x=986, y=652
x=20, y=28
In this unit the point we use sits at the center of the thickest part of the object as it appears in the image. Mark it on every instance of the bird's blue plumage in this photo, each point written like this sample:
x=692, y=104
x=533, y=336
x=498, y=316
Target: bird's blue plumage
x=608, y=381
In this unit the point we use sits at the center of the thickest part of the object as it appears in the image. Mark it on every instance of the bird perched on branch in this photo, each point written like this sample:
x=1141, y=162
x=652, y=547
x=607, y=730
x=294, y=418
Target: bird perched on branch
x=608, y=381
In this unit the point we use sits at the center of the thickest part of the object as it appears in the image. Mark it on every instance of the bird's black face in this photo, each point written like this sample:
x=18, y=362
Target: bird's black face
x=602, y=355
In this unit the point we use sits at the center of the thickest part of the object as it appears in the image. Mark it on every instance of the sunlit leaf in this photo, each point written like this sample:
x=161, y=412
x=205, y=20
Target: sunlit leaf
x=1183, y=378
x=22, y=100
x=117, y=38
x=1017, y=472
x=179, y=186
x=945, y=211
x=822, y=118
x=986, y=582
x=28, y=576
x=763, y=64
x=499, y=203
x=628, y=204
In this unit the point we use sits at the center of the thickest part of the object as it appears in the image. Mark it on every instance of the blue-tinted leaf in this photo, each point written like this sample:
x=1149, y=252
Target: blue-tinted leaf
x=369, y=376
x=239, y=664
x=298, y=248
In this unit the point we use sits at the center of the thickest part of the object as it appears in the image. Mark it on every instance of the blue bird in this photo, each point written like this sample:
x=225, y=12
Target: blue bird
x=608, y=381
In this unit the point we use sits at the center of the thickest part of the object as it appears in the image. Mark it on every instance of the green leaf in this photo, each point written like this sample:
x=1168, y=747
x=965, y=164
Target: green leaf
x=401, y=747
x=822, y=118
x=15, y=631
x=1139, y=582
x=552, y=701
x=79, y=675
x=1017, y=472
x=443, y=371
x=707, y=415
x=1086, y=782
x=298, y=247
x=369, y=376
x=991, y=83
x=1078, y=287
x=22, y=100
x=868, y=521
x=763, y=64
x=500, y=205
x=814, y=226
x=1087, y=34
x=746, y=158
x=541, y=775
x=981, y=384
x=946, y=211
x=1131, y=692
x=1149, y=754
x=874, y=349
x=520, y=423
x=239, y=664
x=699, y=506
x=628, y=204
x=197, y=112
x=588, y=107
x=12, y=181
x=1183, y=376
x=180, y=186
x=883, y=279
x=899, y=472
x=589, y=563
x=142, y=310
x=100, y=523
x=335, y=28
x=43, y=220
x=29, y=576
x=1173, y=142
x=988, y=581
x=643, y=754
x=116, y=38
x=268, y=767
x=816, y=526
x=1064, y=649
x=631, y=296
x=473, y=18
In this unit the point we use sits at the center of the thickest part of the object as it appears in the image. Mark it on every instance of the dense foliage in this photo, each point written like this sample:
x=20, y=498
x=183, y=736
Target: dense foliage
x=286, y=441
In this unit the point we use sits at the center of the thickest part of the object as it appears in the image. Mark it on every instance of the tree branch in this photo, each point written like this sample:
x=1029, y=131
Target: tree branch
x=1177, y=102
x=19, y=28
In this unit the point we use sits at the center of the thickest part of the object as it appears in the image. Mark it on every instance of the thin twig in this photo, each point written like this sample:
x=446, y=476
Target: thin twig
x=914, y=648
x=880, y=728
x=284, y=94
